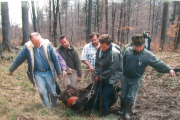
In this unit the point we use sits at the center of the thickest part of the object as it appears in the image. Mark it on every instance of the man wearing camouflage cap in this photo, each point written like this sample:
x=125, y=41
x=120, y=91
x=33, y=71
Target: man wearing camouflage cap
x=135, y=60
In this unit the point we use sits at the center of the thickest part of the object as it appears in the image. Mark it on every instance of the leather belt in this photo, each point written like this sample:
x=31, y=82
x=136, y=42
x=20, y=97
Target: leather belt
x=44, y=70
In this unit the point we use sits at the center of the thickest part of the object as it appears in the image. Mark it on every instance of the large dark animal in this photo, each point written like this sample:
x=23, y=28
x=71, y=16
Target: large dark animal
x=86, y=97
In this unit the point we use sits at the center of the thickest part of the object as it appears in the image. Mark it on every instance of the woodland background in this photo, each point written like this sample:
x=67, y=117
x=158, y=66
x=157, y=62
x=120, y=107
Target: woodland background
x=78, y=18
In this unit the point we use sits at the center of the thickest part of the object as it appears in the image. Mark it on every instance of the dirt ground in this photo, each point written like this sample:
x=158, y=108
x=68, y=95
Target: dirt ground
x=159, y=96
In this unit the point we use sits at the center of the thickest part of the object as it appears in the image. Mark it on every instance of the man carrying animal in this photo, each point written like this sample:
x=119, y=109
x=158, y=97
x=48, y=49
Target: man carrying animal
x=42, y=66
x=71, y=57
x=108, y=69
x=135, y=60
x=88, y=57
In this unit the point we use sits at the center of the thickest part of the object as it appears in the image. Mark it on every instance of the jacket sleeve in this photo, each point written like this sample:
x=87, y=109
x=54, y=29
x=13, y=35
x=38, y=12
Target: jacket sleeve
x=61, y=61
x=159, y=65
x=21, y=57
x=55, y=60
x=77, y=63
x=113, y=65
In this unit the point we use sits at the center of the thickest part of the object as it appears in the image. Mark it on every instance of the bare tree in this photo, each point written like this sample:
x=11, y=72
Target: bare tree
x=7, y=42
x=34, y=17
x=49, y=19
x=89, y=20
x=113, y=18
x=164, y=25
x=55, y=14
x=25, y=21
x=106, y=14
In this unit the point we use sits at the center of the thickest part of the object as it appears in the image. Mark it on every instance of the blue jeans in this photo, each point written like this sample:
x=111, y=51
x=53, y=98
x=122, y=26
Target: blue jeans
x=106, y=91
x=129, y=88
x=46, y=86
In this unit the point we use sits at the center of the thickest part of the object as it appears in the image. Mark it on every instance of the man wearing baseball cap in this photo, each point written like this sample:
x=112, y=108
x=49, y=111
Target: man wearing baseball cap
x=135, y=60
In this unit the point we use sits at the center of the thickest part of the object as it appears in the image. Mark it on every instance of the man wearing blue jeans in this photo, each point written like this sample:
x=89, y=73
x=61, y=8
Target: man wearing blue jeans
x=108, y=69
x=135, y=60
x=42, y=65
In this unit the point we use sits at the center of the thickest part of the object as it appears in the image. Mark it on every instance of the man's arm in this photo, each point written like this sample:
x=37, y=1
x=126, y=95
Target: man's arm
x=77, y=65
x=55, y=60
x=89, y=65
x=21, y=57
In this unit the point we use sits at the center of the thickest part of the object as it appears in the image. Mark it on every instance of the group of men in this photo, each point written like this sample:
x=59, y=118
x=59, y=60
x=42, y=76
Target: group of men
x=103, y=59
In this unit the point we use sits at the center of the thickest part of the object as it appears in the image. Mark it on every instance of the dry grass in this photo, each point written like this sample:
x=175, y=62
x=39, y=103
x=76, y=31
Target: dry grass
x=19, y=99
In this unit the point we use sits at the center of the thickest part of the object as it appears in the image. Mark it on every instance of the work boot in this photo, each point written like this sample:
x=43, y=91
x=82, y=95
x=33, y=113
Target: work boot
x=128, y=107
x=122, y=107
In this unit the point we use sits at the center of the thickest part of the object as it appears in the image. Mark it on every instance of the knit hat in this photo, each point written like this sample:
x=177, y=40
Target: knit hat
x=138, y=40
x=71, y=100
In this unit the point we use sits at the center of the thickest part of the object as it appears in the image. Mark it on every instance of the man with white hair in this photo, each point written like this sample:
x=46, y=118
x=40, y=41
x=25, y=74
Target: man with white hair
x=42, y=66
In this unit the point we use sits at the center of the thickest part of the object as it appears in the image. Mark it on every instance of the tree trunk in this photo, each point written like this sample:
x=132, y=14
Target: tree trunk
x=177, y=39
x=89, y=20
x=120, y=23
x=164, y=25
x=101, y=15
x=34, y=17
x=97, y=15
x=7, y=42
x=113, y=18
x=66, y=17
x=129, y=16
x=106, y=14
x=149, y=16
x=55, y=12
x=25, y=21
x=50, y=20
x=60, y=25
x=152, y=31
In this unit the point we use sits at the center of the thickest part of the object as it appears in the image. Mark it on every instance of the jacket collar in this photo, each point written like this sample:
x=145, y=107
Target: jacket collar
x=69, y=48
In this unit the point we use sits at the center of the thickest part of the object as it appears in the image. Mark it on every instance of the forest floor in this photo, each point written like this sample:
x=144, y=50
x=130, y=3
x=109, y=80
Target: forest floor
x=158, y=97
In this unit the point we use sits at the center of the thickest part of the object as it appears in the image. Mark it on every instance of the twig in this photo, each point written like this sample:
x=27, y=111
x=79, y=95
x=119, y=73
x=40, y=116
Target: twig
x=7, y=88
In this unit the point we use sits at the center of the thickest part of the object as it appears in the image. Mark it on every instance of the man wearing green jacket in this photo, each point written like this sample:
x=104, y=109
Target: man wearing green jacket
x=108, y=70
x=135, y=60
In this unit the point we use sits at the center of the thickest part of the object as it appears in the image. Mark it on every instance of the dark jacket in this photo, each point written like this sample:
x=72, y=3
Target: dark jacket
x=71, y=58
x=27, y=54
x=111, y=67
x=134, y=63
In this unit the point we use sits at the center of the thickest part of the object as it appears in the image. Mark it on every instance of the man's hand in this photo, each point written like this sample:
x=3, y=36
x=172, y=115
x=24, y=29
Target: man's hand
x=64, y=73
x=96, y=79
x=172, y=73
x=146, y=68
x=79, y=79
x=59, y=76
x=91, y=68
x=11, y=73
x=71, y=70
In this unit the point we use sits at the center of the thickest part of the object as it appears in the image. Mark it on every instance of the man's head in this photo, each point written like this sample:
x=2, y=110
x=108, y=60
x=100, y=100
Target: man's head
x=148, y=33
x=94, y=38
x=105, y=42
x=64, y=41
x=35, y=39
x=138, y=42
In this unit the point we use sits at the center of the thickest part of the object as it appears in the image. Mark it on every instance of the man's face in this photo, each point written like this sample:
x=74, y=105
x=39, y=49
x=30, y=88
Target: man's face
x=138, y=48
x=104, y=46
x=36, y=41
x=147, y=34
x=95, y=41
x=64, y=42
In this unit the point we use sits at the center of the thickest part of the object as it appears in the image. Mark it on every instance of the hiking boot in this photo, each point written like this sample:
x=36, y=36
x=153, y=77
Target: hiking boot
x=122, y=107
x=128, y=107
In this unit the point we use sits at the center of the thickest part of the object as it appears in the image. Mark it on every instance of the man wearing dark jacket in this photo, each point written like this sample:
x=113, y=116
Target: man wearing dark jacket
x=135, y=60
x=42, y=66
x=108, y=69
x=71, y=57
